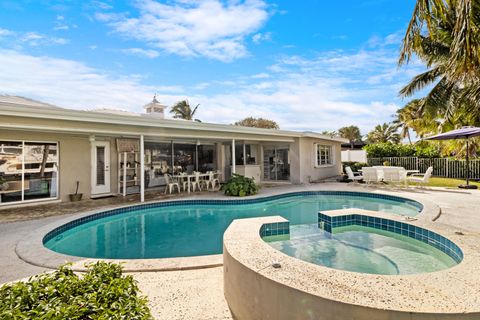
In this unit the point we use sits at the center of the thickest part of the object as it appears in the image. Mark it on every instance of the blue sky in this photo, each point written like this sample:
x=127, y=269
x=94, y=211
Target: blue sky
x=309, y=65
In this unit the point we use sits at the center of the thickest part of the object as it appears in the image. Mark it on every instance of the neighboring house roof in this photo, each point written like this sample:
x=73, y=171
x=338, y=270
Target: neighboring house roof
x=356, y=145
x=7, y=99
x=22, y=107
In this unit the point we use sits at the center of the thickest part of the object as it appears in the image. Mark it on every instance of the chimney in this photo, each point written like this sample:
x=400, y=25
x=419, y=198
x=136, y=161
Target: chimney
x=154, y=109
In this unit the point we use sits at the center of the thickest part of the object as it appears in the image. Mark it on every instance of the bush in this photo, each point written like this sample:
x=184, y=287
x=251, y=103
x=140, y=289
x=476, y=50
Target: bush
x=355, y=166
x=240, y=186
x=385, y=150
x=101, y=293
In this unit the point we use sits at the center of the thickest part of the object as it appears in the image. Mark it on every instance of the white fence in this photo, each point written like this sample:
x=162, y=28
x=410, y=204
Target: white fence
x=442, y=167
x=354, y=156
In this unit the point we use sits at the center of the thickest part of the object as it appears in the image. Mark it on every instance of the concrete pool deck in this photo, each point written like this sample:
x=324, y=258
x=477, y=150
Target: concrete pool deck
x=171, y=292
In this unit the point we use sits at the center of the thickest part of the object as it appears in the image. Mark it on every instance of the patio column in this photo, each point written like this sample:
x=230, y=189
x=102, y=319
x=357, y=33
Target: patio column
x=233, y=156
x=142, y=169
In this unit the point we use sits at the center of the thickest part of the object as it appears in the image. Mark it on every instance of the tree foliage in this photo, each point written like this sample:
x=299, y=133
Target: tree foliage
x=383, y=150
x=382, y=133
x=352, y=133
x=257, y=123
x=183, y=110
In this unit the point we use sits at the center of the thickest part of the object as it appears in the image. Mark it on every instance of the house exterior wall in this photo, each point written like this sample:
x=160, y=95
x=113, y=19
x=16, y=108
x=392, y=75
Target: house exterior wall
x=73, y=155
x=302, y=160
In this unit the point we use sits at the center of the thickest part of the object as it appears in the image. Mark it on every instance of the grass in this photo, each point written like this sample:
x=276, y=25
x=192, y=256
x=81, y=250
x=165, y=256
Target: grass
x=447, y=182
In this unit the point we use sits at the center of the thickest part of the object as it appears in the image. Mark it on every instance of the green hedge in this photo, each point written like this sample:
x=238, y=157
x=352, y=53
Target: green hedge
x=384, y=150
x=100, y=293
x=355, y=166
x=240, y=186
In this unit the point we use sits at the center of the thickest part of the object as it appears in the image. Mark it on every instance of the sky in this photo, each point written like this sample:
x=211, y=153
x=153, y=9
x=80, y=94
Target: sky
x=308, y=65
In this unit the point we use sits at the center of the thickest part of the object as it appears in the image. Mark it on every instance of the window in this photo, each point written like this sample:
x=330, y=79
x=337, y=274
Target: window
x=28, y=170
x=323, y=155
x=245, y=154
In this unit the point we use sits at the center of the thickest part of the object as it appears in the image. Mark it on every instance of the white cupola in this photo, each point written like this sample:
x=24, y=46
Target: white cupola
x=155, y=109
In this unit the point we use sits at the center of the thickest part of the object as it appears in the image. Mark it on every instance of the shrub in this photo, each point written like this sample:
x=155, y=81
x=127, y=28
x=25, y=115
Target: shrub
x=240, y=186
x=355, y=166
x=101, y=293
x=385, y=150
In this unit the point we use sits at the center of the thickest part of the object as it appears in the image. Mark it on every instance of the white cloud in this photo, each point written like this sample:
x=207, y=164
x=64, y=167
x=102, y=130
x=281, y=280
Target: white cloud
x=323, y=92
x=207, y=28
x=36, y=39
x=5, y=32
x=260, y=37
x=68, y=83
x=147, y=53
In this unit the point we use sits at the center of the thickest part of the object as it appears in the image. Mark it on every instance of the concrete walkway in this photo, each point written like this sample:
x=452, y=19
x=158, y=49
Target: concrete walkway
x=198, y=294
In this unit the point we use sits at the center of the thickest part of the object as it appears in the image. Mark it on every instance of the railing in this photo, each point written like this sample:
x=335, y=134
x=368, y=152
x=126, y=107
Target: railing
x=442, y=167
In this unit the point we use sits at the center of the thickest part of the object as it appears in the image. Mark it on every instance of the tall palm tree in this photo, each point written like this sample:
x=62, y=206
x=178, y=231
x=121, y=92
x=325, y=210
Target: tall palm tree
x=445, y=35
x=352, y=133
x=462, y=18
x=183, y=110
x=386, y=132
x=408, y=118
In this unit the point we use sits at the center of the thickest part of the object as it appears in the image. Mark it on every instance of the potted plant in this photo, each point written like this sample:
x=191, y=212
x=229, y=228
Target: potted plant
x=240, y=186
x=76, y=196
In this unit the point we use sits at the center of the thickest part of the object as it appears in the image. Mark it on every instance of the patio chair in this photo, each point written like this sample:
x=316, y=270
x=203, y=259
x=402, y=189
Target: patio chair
x=351, y=175
x=170, y=184
x=183, y=179
x=213, y=180
x=197, y=182
x=371, y=175
x=394, y=175
x=421, y=178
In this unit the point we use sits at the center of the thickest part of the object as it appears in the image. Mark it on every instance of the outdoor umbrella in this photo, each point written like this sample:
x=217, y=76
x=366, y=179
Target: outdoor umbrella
x=462, y=133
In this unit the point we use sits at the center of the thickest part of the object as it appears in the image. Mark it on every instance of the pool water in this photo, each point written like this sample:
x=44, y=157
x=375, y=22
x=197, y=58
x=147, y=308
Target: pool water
x=361, y=249
x=197, y=229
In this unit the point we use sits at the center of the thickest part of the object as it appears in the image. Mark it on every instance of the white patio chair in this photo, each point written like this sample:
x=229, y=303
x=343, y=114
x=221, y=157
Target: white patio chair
x=183, y=179
x=351, y=175
x=421, y=178
x=213, y=180
x=197, y=182
x=371, y=175
x=171, y=184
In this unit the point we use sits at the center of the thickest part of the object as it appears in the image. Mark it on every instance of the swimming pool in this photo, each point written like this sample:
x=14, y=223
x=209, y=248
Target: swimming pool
x=362, y=249
x=195, y=227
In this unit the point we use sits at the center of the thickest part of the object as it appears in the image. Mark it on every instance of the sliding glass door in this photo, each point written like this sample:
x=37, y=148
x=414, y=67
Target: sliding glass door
x=28, y=171
x=276, y=164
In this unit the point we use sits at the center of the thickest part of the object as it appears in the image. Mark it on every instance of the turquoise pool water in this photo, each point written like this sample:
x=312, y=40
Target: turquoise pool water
x=195, y=228
x=361, y=249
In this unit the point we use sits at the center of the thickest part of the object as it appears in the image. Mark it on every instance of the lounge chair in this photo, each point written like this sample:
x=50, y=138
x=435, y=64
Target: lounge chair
x=351, y=175
x=421, y=178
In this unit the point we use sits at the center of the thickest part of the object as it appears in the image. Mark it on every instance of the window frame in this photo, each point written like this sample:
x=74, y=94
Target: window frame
x=329, y=149
x=23, y=201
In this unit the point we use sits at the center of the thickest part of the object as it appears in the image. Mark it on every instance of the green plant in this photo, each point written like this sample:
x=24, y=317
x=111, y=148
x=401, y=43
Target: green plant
x=101, y=293
x=386, y=163
x=240, y=186
x=355, y=166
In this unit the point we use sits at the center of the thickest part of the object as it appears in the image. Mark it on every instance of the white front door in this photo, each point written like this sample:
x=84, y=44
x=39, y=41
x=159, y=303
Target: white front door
x=100, y=167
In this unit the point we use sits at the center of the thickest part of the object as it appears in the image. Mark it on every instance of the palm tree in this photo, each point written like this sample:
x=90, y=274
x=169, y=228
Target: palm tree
x=408, y=118
x=384, y=133
x=445, y=35
x=352, y=133
x=182, y=110
x=462, y=20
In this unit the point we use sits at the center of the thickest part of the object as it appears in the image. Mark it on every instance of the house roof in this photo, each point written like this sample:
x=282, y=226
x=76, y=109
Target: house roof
x=23, y=107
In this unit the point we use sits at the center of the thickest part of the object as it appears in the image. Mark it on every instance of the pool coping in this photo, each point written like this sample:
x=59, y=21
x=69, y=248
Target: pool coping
x=32, y=250
x=454, y=292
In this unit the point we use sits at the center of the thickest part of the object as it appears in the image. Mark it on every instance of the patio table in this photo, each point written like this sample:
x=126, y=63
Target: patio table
x=188, y=177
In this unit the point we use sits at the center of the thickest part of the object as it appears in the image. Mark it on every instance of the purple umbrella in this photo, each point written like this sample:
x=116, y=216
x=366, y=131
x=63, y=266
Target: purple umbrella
x=462, y=133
